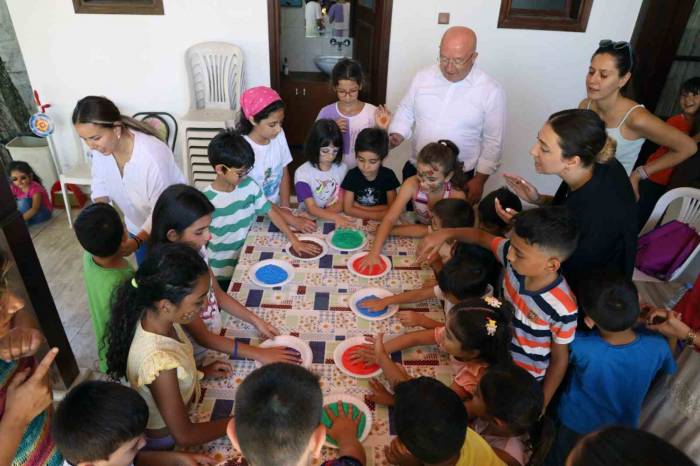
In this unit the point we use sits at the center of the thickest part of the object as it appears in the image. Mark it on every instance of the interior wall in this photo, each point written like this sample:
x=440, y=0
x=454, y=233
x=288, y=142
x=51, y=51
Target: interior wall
x=138, y=61
x=542, y=71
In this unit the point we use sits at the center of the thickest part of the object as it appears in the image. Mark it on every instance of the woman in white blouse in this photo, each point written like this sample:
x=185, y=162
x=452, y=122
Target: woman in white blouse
x=131, y=166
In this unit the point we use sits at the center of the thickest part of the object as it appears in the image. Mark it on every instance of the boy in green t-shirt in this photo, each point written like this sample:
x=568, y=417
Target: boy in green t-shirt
x=101, y=233
x=238, y=200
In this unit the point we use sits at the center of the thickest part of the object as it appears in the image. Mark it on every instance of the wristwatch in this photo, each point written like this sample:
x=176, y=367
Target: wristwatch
x=690, y=338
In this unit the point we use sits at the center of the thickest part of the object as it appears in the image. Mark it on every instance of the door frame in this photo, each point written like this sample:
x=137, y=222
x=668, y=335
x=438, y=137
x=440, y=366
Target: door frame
x=384, y=9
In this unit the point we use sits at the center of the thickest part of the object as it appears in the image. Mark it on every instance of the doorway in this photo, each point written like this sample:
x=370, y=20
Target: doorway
x=305, y=88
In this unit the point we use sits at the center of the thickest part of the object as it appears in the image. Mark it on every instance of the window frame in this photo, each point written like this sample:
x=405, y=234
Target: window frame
x=548, y=20
x=119, y=7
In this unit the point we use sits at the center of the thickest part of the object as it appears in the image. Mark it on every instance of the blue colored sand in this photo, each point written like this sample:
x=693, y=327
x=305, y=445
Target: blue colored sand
x=367, y=311
x=271, y=274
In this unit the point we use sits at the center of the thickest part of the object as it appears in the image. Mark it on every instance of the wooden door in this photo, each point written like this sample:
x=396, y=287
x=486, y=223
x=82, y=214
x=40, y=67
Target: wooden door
x=371, y=32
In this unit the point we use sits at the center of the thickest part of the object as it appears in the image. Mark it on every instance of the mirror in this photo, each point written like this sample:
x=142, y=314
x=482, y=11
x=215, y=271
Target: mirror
x=327, y=18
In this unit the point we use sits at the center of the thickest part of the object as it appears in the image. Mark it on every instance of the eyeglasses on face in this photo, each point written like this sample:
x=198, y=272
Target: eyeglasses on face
x=457, y=62
x=240, y=172
x=349, y=92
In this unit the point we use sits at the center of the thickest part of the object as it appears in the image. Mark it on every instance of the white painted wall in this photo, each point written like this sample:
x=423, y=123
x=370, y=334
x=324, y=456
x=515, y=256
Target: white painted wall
x=542, y=71
x=135, y=60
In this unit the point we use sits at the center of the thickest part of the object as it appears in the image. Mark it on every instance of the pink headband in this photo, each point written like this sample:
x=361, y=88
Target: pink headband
x=257, y=98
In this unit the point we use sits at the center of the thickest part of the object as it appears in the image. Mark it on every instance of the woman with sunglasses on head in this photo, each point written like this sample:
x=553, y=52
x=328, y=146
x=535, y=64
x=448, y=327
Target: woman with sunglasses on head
x=626, y=121
x=131, y=166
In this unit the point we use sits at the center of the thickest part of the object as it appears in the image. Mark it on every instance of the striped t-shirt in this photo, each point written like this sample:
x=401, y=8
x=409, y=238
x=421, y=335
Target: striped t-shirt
x=540, y=317
x=230, y=222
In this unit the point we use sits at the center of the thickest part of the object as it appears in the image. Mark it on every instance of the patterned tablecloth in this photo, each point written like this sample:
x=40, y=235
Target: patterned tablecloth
x=314, y=307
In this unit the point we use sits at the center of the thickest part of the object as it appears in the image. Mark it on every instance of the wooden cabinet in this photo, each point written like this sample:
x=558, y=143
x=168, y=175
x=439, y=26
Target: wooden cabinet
x=304, y=94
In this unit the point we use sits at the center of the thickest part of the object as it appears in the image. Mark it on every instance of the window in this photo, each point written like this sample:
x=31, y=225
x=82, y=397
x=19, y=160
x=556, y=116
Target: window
x=553, y=15
x=119, y=7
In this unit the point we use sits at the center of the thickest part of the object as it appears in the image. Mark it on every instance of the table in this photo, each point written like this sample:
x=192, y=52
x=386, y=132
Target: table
x=314, y=307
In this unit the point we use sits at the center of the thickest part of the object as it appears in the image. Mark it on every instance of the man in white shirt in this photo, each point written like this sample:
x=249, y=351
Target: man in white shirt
x=313, y=18
x=455, y=101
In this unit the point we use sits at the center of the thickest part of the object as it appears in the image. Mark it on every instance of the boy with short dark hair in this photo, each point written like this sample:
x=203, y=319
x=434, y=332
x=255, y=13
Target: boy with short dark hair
x=612, y=366
x=103, y=424
x=545, y=316
x=370, y=187
x=277, y=420
x=489, y=220
x=432, y=428
x=238, y=200
x=101, y=233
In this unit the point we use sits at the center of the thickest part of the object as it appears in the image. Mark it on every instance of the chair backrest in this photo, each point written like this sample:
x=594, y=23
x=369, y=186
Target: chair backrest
x=164, y=123
x=215, y=72
x=689, y=212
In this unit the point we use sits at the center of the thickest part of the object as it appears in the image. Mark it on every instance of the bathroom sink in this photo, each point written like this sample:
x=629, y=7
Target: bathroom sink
x=325, y=63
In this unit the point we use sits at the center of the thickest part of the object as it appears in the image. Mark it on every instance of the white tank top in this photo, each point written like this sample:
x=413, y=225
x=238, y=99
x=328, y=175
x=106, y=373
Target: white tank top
x=627, y=150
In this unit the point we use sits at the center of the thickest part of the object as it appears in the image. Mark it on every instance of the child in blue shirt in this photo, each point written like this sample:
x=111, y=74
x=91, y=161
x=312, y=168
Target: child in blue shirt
x=611, y=366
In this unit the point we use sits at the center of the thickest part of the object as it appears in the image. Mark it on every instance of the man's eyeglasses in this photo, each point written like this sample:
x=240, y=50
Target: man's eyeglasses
x=457, y=62
x=619, y=45
x=344, y=93
x=240, y=172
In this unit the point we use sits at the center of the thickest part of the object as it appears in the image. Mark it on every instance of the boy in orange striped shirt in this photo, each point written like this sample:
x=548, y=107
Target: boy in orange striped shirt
x=544, y=322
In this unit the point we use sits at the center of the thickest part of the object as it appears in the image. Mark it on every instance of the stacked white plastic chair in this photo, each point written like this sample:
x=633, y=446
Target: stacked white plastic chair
x=215, y=71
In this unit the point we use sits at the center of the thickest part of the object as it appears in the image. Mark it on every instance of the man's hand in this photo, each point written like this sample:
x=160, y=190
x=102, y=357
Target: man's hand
x=475, y=188
x=395, y=139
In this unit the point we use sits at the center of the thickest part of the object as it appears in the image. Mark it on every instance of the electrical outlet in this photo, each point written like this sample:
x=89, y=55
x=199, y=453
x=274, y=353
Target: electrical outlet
x=443, y=18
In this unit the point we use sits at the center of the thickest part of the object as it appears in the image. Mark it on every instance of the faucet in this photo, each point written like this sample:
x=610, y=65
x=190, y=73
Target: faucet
x=340, y=43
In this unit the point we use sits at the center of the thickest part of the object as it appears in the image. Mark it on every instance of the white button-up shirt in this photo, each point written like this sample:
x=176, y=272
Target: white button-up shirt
x=150, y=170
x=471, y=113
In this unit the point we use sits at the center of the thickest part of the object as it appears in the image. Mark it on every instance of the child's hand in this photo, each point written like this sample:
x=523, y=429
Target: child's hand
x=396, y=453
x=342, y=124
x=522, y=188
x=429, y=246
x=266, y=329
x=368, y=262
x=29, y=395
x=505, y=214
x=380, y=394
x=303, y=224
x=667, y=323
x=341, y=221
x=217, y=369
x=306, y=248
x=410, y=319
x=375, y=305
x=277, y=354
x=343, y=427
x=378, y=347
x=364, y=354
x=20, y=342
x=382, y=117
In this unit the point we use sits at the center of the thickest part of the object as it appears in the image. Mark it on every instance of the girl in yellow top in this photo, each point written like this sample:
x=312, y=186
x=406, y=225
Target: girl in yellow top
x=148, y=346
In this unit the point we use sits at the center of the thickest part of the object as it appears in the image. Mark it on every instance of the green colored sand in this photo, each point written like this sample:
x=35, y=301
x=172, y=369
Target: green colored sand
x=346, y=238
x=334, y=409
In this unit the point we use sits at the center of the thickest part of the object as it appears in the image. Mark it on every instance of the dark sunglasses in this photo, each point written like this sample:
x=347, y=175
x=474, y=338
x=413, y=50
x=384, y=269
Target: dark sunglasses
x=619, y=45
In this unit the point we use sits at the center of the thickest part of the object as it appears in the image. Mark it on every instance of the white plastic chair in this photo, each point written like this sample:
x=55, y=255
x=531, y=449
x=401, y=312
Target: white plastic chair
x=79, y=174
x=215, y=71
x=689, y=214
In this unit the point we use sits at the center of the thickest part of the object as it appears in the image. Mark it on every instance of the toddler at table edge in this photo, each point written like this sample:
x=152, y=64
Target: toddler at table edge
x=277, y=420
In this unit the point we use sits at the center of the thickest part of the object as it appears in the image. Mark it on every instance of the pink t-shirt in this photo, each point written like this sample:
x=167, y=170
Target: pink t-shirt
x=34, y=188
x=466, y=374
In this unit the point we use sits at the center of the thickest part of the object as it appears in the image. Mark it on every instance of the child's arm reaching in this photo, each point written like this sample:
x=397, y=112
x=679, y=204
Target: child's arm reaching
x=366, y=353
x=343, y=430
x=412, y=231
x=172, y=458
x=355, y=210
x=430, y=245
x=285, y=188
x=236, y=309
x=558, y=362
x=166, y=393
x=411, y=296
x=278, y=220
x=332, y=212
x=204, y=337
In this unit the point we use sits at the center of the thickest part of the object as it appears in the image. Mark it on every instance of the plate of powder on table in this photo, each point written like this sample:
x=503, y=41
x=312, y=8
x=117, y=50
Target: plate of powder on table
x=271, y=273
x=375, y=271
x=297, y=345
x=323, y=249
x=346, y=239
x=352, y=405
x=342, y=358
x=358, y=299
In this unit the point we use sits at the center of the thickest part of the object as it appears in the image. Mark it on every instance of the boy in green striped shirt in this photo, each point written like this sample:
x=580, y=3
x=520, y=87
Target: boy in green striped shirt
x=238, y=201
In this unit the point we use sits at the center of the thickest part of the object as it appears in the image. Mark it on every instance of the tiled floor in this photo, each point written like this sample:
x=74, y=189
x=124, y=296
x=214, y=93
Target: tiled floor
x=60, y=256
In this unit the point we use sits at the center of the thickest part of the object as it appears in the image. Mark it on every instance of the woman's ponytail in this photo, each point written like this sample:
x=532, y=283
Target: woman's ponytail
x=169, y=272
x=101, y=111
x=607, y=153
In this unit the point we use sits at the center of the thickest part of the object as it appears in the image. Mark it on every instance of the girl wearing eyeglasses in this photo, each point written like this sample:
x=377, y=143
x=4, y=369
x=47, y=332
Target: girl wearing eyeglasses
x=317, y=181
x=32, y=199
x=626, y=121
x=349, y=112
